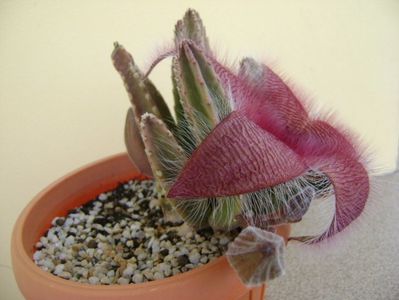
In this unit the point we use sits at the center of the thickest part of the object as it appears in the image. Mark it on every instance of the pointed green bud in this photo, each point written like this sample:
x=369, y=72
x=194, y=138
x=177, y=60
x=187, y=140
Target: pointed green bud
x=166, y=158
x=165, y=155
x=200, y=92
x=191, y=28
x=143, y=95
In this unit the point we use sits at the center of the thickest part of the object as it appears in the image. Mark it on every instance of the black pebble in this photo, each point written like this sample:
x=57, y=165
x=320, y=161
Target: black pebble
x=206, y=232
x=182, y=260
x=103, y=232
x=127, y=255
x=164, y=252
x=85, y=210
x=100, y=220
x=73, y=211
x=60, y=221
x=151, y=223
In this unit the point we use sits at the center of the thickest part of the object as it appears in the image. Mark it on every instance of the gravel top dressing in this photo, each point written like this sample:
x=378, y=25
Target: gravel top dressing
x=121, y=237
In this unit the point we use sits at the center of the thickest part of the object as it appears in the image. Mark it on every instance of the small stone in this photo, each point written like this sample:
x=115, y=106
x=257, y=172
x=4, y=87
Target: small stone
x=126, y=234
x=142, y=256
x=224, y=241
x=165, y=269
x=155, y=247
x=182, y=260
x=60, y=221
x=92, y=244
x=59, y=269
x=105, y=280
x=103, y=197
x=158, y=276
x=37, y=255
x=48, y=264
x=111, y=273
x=69, y=241
x=204, y=259
x=148, y=275
x=65, y=275
x=93, y=280
x=137, y=278
x=164, y=252
x=123, y=281
x=175, y=271
x=128, y=272
x=194, y=257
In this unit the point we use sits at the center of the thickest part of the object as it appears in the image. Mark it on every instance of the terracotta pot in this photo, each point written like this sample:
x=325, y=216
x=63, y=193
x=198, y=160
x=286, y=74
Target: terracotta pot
x=215, y=280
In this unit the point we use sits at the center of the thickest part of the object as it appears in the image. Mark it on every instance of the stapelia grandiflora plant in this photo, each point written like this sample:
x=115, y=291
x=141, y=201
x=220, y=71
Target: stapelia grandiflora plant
x=242, y=151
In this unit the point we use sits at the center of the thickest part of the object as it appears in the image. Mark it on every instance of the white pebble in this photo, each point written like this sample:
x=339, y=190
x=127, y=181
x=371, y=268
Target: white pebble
x=65, y=275
x=68, y=222
x=158, y=276
x=128, y=272
x=48, y=264
x=155, y=246
x=62, y=256
x=103, y=197
x=184, y=251
x=59, y=269
x=142, y=256
x=194, y=257
x=204, y=259
x=224, y=241
x=93, y=280
x=126, y=234
x=105, y=280
x=123, y=280
x=137, y=278
x=148, y=275
x=37, y=255
x=69, y=241
x=165, y=269
x=43, y=241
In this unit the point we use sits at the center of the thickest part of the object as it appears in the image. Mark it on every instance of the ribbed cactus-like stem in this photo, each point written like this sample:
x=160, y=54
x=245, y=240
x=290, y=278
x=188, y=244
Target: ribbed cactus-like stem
x=144, y=98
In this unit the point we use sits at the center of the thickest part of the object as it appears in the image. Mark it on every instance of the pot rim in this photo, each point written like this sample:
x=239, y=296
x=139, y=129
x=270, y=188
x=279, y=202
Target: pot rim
x=26, y=258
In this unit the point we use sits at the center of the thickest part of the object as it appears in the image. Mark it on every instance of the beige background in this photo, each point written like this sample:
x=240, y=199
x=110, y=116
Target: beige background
x=62, y=105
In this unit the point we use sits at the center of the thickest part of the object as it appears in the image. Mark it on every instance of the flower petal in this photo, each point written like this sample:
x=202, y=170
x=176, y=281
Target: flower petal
x=237, y=157
x=351, y=188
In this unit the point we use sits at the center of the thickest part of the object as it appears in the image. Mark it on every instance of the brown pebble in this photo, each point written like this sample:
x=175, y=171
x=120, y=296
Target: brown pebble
x=92, y=244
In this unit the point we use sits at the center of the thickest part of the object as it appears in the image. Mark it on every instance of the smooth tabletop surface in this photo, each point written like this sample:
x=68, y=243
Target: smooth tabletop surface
x=62, y=104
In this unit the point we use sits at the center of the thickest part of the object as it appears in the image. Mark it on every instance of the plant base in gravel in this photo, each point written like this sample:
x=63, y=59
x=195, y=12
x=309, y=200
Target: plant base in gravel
x=121, y=237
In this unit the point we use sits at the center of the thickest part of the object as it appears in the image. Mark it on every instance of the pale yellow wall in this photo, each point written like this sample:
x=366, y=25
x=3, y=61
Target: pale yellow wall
x=63, y=105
